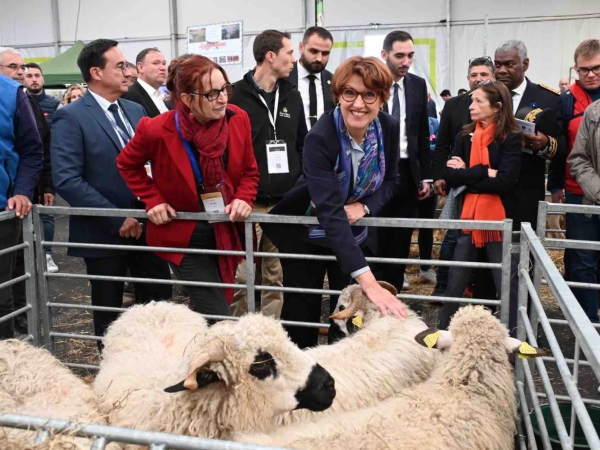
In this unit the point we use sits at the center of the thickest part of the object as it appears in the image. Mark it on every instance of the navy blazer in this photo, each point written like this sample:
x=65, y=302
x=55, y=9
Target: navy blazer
x=321, y=149
x=417, y=128
x=84, y=149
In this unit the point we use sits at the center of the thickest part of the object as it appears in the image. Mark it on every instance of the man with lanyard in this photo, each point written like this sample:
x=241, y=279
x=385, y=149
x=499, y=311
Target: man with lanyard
x=278, y=124
x=580, y=265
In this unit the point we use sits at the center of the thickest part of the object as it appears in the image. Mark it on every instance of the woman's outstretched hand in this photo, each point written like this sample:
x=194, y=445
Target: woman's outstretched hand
x=383, y=299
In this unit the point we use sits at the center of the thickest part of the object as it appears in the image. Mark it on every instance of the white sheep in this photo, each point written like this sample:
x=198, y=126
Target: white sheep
x=35, y=383
x=467, y=403
x=238, y=375
x=379, y=359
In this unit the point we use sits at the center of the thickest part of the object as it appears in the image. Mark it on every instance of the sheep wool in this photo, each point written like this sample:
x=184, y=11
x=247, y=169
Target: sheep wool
x=468, y=403
x=35, y=383
x=374, y=364
x=150, y=347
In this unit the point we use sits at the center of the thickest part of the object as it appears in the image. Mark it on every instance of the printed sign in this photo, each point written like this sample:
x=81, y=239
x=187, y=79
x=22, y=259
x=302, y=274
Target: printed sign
x=220, y=42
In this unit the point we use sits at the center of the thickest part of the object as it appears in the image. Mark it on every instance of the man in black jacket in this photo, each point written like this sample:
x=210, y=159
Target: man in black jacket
x=311, y=77
x=152, y=74
x=278, y=129
x=34, y=83
x=408, y=103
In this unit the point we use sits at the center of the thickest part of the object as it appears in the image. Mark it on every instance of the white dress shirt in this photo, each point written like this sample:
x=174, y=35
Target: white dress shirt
x=518, y=95
x=157, y=96
x=104, y=104
x=303, y=86
x=402, y=98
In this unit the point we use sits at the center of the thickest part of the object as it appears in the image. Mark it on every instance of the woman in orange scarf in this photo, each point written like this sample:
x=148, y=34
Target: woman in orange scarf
x=486, y=159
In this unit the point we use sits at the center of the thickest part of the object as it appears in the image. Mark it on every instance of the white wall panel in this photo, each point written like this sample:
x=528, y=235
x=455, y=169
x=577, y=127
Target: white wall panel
x=472, y=10
x=25, y=22
x=113, y=19
x=256, y=15
x=359, y=12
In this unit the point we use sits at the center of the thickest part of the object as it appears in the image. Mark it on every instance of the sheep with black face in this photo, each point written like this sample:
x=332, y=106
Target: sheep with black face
x=378, y=360
x=206, y=382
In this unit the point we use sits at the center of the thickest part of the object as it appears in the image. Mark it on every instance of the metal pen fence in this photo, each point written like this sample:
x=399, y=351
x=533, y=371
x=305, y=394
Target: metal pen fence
x=587, y=341
x=31, y=307
x=48, y=306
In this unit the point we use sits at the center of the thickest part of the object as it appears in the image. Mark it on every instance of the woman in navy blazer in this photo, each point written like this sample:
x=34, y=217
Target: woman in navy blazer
x=350, y=162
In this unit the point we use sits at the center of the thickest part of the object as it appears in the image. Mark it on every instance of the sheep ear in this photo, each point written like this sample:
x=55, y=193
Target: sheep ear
x=434, y=338
x=203, y=378
x=523, y=349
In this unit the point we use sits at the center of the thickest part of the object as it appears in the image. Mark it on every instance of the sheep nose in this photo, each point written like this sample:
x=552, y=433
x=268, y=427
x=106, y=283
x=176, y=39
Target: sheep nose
x=329, y=385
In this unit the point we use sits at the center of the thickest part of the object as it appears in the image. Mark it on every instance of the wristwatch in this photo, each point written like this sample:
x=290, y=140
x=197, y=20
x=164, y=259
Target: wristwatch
x=367, y=210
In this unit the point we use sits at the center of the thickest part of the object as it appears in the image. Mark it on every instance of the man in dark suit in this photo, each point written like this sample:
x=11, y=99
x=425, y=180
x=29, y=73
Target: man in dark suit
x=87, y=136
x=455, y=116
x=408, y=103
x=152, y=74
x=511, y=64
x=311, y=77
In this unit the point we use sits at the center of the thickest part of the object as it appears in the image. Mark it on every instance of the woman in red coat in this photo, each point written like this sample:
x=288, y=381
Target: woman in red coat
x=201, y=159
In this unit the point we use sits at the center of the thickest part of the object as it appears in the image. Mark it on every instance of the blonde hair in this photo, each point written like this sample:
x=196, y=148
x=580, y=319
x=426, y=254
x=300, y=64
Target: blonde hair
x=73, y=87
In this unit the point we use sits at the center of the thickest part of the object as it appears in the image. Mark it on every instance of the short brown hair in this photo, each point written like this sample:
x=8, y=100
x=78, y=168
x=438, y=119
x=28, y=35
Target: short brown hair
x=374, y=74
x=588, y=49
x=268, y=41
x=496, y=92
x=186, y=72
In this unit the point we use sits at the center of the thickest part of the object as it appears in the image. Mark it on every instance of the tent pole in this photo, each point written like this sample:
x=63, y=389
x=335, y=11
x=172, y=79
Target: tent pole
x=173, y=26
x=448, y=46
x=55, y=26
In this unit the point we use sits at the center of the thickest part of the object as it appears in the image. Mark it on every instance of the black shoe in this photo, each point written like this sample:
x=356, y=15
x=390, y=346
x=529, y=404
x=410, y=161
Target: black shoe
x=21, y=324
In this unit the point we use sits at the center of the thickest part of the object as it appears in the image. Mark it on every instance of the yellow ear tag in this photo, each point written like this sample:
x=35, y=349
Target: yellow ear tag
x=431, y=339
x=357, y=321
x=526, y=351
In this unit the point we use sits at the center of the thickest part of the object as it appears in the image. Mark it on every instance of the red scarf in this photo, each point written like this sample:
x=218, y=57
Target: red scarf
x=210, y=139
x=482, y=206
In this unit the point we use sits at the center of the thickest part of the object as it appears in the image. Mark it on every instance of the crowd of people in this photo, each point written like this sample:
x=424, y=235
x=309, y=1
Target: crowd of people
x=291, y=138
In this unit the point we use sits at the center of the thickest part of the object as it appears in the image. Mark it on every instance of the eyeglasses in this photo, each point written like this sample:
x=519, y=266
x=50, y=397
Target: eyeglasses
x=585, y=71
x=213, y=94
x=350, y=95
x=13, y=66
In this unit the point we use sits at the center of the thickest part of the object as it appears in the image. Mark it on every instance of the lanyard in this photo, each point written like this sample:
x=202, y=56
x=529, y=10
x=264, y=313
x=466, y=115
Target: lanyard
x=126, y=134
x=272, y=117
x=188, y=149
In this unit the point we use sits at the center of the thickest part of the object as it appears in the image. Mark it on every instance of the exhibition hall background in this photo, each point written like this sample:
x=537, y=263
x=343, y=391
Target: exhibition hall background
x=447, y=32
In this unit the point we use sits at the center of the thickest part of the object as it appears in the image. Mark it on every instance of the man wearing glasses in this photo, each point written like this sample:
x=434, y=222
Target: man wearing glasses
x=580, y=265
x=87, y=136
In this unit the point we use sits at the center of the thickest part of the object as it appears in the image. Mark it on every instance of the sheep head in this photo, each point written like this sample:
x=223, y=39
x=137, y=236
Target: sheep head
x=254, y=358
x=354, y=309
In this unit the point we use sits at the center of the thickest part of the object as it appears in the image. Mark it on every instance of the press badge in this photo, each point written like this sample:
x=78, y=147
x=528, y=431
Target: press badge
x=213, y=202
x=277, y=157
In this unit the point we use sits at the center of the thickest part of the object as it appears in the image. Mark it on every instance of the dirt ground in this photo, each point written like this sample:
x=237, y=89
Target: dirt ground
x=77, y=291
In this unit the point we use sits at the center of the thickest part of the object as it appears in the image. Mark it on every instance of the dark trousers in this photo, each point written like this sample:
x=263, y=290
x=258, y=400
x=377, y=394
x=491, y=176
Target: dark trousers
x=110, y=293
x=458, y=279
x=307, y=307
x=426, y=210
x=583, y=263
x=10, y=233
x=204, y=300
x=446, y=254
x=395, y=242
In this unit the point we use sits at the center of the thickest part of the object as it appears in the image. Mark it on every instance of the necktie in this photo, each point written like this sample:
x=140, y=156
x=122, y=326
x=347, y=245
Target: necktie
x=121, y=128
x=396, y=103
x=312, y=100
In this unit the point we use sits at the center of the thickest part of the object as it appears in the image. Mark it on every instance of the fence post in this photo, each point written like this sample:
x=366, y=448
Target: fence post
x=523, y=297
x=506, y=266
x=33, y=317
x=249, y=228
x=537, y=271
x=42, y=281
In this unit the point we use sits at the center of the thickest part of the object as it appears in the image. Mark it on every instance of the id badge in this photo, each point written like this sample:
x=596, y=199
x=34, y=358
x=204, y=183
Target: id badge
x=148, y=168
x=277, y=157
x=214, y=199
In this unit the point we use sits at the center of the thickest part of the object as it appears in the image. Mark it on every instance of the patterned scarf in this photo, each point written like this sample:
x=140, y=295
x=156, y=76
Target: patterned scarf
x=371, y=170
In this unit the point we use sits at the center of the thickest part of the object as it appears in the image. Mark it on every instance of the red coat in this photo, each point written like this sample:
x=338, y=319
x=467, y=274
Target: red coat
x=156, y=140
